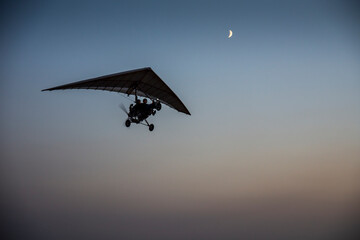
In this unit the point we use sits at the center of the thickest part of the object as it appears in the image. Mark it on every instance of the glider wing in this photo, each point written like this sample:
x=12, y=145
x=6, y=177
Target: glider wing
x=143, y=82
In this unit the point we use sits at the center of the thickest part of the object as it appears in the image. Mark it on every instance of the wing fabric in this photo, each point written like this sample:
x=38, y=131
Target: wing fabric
x=144, y=81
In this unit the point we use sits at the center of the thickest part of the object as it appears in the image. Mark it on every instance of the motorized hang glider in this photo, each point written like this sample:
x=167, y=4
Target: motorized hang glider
x=142, y=82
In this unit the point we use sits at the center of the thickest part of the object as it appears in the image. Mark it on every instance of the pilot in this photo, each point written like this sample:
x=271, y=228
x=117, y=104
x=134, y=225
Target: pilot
x=144, y=107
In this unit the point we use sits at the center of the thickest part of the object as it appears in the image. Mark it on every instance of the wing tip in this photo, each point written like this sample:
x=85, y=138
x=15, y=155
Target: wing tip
x=47, y=89
x=186, y=112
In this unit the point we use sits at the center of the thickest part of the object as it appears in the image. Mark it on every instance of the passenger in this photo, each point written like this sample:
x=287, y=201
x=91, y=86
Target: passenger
x=134, y=110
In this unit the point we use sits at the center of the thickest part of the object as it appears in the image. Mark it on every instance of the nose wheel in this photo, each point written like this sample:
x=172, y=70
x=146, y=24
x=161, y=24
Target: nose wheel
x=151, y=126
x=158, y=106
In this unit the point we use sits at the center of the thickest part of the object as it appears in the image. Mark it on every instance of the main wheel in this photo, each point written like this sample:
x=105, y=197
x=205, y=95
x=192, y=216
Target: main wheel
x=151, y=127
x=158, y=106
x=127, y=123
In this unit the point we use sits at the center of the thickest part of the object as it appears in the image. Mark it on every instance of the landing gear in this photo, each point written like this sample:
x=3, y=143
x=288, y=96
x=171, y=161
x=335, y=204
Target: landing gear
x=127, y=123
x=133, y=120
x=151, y=126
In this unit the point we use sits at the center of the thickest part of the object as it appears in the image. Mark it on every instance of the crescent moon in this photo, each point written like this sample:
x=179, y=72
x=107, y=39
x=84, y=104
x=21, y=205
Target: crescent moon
x=230, y=34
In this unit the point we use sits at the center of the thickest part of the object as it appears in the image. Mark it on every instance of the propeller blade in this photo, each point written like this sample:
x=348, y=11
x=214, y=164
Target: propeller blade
x=122, y=107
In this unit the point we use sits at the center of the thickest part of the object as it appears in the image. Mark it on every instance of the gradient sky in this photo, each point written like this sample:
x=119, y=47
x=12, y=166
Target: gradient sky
x=271, y=150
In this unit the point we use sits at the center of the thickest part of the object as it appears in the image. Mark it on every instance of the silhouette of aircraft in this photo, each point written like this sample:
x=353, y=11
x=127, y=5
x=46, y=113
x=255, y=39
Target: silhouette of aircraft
x=142, y=82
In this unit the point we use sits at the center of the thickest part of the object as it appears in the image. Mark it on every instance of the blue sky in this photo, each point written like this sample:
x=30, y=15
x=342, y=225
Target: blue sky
x=275, y=117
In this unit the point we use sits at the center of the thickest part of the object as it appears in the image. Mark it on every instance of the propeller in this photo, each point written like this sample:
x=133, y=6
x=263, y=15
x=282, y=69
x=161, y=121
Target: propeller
x=122, y=107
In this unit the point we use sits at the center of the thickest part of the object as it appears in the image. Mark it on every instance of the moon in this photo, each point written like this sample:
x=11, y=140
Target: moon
x=230, y=34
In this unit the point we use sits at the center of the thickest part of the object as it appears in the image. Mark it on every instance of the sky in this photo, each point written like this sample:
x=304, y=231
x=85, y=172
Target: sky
x=271, y=149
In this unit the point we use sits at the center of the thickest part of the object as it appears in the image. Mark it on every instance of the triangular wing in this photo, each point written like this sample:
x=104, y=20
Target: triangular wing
x=145, y=81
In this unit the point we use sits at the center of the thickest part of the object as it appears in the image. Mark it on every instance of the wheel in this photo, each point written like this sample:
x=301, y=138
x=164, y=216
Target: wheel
x=127, y=123
x=158, y=106
x=151, y=127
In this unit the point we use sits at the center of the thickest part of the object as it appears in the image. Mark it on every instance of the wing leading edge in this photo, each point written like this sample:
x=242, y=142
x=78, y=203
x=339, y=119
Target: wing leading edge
x=144, y=81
